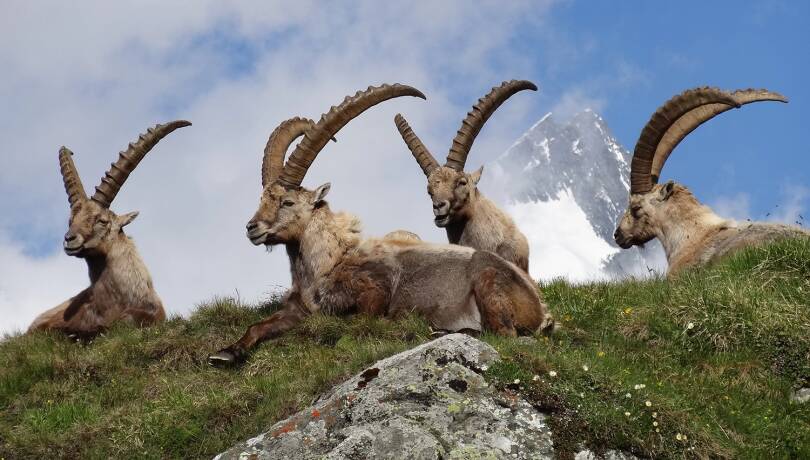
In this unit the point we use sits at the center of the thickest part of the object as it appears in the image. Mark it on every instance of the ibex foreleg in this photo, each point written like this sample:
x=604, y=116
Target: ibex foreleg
x=278, y=323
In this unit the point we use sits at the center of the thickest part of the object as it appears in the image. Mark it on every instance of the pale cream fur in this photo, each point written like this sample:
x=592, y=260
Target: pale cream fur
x=690, y=232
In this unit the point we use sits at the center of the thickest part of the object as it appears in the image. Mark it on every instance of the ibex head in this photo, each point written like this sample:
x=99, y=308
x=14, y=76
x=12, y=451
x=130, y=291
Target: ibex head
x=285, y=208
x=450, y=188
x=651, y=203
x=94, y=227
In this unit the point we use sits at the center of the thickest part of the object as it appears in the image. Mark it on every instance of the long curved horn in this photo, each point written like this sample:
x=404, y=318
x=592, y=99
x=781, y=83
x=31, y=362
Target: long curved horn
x=115, y=177
x=696, y=117
x=480, y=113
x=331, y=122
x=422, y=155
x=70, y=176
x=655, y=129
x=278, y=143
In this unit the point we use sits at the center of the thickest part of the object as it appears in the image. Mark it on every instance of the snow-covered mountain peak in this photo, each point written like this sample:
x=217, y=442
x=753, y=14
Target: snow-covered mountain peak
x=566, y=185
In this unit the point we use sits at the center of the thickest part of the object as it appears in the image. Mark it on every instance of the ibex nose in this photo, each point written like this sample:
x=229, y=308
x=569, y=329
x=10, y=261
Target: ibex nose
x=251, y=225
x=69, y=237
x=617, y=234
x=440, y=207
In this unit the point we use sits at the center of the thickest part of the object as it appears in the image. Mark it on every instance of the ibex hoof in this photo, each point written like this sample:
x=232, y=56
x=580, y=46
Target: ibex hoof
x=223, y=358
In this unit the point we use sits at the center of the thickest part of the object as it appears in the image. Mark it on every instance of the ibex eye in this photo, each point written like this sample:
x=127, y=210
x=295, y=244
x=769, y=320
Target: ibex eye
x=288, y=203
x=462, y=182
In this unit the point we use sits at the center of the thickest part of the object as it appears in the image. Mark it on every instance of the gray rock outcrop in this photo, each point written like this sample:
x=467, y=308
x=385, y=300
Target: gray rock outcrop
x=429, y=402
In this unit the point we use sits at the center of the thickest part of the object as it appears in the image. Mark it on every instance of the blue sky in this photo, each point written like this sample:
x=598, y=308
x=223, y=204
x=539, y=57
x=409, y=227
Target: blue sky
x=671, y=46
x=94, y=74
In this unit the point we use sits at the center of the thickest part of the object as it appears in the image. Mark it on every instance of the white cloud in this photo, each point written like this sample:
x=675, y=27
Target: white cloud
x=92, y=75
x=574, y=101
x=792, y=208
x=737, y=206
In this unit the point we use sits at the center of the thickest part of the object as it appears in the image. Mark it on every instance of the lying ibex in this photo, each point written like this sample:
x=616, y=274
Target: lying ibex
x=469, y=218
x=120, y=285
x=690, y=232
x=335, y=270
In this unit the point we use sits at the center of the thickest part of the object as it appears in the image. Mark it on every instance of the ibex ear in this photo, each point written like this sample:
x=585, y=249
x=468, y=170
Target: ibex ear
x=666, y=190
x=476, y=175
x=321, y=192
x=126, y=219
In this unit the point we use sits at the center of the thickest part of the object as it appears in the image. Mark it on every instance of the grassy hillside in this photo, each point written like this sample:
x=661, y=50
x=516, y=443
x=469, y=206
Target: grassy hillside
x=700, y=366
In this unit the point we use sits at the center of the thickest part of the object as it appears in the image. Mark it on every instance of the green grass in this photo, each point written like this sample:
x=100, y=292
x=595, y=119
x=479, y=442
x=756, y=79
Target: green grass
x=718, y=351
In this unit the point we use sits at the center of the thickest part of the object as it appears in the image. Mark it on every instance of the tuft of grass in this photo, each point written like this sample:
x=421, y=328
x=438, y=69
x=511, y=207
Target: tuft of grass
x=700, y=366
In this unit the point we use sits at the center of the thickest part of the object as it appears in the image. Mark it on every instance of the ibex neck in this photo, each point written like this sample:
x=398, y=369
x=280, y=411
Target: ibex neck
x=686, y=229
x=326, y=239
x=121, y=270
x=479, y=217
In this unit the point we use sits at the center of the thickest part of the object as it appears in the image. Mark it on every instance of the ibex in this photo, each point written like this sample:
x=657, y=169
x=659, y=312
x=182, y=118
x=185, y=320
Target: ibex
x=120, y=286
x=335, y=270
x=469, y=218
x=690, y=232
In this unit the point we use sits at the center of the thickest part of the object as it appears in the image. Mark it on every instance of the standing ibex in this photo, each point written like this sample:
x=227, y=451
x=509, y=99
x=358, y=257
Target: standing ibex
x=691, y=233
x=120, y=285
x=335, y=270
x=469, y=218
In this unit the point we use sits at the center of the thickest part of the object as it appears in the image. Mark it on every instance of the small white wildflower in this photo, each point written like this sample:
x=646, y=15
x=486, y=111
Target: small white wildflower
x=627, y=414
x=648, y=404
x=484, y=367
x=639, y=386
x=655, y=415
x=628, y=395
x=585, y=367
x=517, y=381
x=658, y=430
x=691, y=325
x=582, y=395
x=536, y=378
x=552, y=373
x=679, y=437
x=655, y=423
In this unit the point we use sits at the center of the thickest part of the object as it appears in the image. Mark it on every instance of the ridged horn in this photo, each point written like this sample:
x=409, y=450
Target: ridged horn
x=696, y=117
x=70, y=176
x=278, y=143
x=655, y=129
x=422, y=155
x=480, y=113
x=331, y=122
x=115, y=177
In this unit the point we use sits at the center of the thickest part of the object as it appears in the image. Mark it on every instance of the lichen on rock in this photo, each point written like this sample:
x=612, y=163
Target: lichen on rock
x=429, y=402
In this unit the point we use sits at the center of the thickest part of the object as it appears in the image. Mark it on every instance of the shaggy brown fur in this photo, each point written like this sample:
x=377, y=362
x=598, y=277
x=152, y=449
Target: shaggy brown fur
x=334, y=270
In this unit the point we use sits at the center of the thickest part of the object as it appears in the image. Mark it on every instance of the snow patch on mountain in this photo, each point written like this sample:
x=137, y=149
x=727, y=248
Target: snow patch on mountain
x=563, y=243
